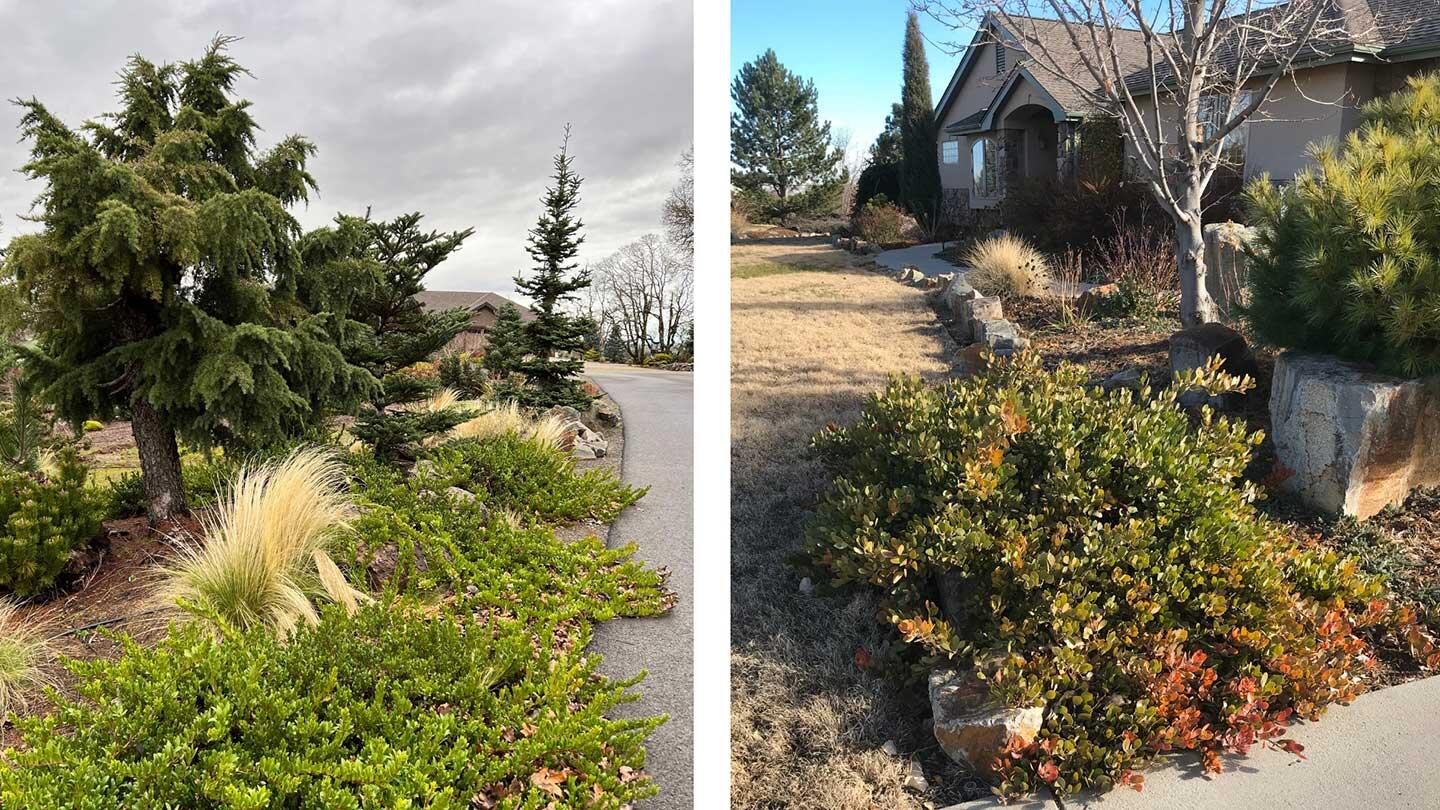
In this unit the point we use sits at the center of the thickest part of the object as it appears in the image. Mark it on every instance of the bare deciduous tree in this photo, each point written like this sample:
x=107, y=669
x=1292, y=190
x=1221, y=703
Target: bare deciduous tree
x=1180, y=76
x=679, y=211
x=648, y=291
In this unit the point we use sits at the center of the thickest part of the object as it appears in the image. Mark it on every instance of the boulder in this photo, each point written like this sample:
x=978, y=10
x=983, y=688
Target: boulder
x=605, y=413
x=858, y=245
x=1124, y=378
x=955, y=295
x=564, y=413
x=1191, y=348
x=1227, y=269
x=971, y=726
x=997, y=333
x=977, y=309
x=460, y=494
x=909, y=275
x=1352, y=441
x=971, y=359
x=1098, y=299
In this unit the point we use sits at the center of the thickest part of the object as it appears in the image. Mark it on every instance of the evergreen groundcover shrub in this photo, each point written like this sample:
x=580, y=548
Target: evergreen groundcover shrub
x=1105, y=560
x=390, y=708
x=508, y=471
x=1348, y=258
x=42, y=518
x=441, y=542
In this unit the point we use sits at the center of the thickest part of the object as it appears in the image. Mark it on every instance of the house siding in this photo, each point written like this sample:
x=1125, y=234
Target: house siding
x=973, y=94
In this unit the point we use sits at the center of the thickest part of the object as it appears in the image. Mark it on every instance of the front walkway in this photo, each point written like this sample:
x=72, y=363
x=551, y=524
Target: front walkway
x=921, y=257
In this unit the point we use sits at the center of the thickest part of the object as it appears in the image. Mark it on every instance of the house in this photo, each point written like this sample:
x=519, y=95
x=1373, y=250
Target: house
x=1004, y=117
x=484, y=308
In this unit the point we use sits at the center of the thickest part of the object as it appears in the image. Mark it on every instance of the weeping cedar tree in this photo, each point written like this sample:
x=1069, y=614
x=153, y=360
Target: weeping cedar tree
x=374, y=271
x=164, y=280
x=920, y=171
x=554, y=338
x=781, y=149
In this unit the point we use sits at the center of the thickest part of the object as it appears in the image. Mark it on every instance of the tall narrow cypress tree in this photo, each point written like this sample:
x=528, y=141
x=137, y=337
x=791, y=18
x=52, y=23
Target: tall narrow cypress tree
x=554, y=339
x=920, y=168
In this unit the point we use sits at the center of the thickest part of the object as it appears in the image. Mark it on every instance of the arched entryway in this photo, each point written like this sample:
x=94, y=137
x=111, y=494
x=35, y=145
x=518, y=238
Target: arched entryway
x=1036, y=139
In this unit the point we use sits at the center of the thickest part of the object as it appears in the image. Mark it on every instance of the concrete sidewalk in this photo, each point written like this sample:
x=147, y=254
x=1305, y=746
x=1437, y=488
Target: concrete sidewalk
x=921, y=257
x=1378, y=752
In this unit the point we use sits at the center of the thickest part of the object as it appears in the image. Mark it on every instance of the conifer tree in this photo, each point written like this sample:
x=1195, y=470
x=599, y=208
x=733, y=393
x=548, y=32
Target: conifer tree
x=505, y=342
x=920, y=174
x=164, y=278
x=381, y=268
x=779, y=145
x=554, y=337
x=615, y=351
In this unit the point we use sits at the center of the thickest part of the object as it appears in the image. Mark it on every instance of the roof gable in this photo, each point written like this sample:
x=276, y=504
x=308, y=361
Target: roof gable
x=472, y=301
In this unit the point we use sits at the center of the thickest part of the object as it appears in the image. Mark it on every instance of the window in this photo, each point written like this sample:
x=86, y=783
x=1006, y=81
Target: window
x=1215, y=111
x=984, y=158
x=950, y=151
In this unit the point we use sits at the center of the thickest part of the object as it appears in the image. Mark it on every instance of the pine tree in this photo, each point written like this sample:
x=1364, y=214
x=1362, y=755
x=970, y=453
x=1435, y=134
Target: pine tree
x=399, y=333
x=554, y=338
x=781, y=148
x=164, y=278
x=920, y=173
x=505, y=342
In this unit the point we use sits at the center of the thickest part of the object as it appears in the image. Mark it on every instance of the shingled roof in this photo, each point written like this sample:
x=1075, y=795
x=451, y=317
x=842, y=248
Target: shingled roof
x=473, y=301
x=1382, y=29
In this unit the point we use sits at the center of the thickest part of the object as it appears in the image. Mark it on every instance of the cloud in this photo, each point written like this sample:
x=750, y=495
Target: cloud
x=454, y=109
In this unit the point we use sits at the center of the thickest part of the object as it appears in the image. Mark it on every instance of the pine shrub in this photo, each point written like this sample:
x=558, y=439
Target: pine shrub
x=43, y=517
x=389, y=708
x=1348, y=258
x=1099, y=553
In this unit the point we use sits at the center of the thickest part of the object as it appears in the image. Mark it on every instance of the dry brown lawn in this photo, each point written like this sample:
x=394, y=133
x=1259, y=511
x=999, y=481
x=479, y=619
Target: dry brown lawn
x=807, y=345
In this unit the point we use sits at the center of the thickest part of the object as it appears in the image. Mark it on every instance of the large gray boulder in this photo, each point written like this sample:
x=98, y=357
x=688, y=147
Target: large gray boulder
x=977, y=310
x=1226, y=267
x=1350, y=440
x=971, y=726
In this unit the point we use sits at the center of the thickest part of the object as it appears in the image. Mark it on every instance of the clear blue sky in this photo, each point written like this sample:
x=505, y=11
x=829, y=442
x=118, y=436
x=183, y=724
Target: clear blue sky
x=850, y=48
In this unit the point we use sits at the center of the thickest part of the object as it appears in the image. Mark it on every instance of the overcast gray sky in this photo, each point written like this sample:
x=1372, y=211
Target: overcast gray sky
x=454, y=109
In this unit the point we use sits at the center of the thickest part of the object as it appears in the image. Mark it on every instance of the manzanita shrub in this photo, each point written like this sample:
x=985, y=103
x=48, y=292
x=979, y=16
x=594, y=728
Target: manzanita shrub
x=394, y=707
x=1348, y=258
x=1101, y=555
x=43, y=517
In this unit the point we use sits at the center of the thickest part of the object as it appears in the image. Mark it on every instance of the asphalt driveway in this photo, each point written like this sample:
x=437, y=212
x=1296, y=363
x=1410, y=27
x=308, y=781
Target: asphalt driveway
x=658, y=409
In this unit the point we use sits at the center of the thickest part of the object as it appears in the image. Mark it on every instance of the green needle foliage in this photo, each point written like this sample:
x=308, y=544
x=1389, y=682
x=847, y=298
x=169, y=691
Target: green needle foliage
x=397, y=331
x=1348, y=261
x=555, y=339
x=163, y=282
x=780, y=147
x=920, y=177
x=504, y=351
x=42, y=518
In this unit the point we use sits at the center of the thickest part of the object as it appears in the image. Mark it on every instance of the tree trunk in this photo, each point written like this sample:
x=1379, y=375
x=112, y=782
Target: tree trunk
x=1196, y=305
x=159, y=461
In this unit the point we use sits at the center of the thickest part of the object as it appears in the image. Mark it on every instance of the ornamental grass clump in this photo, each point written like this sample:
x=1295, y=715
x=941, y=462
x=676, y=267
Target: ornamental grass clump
x=1007, y=266
x=1098, y=554
x=500, y=418
x=266, y=549
x=1348, y=257
x=23, y=650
